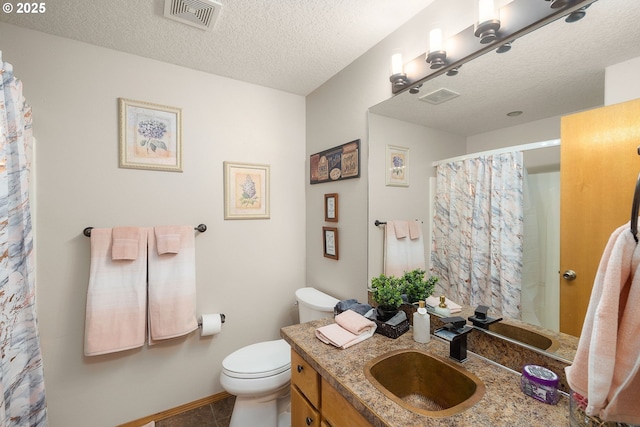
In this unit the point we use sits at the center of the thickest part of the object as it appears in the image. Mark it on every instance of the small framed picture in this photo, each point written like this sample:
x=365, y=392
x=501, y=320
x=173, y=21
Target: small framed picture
x=246, y=191
x=397, y=166
x=150, y=136
x=331, y=207
x=330, y=240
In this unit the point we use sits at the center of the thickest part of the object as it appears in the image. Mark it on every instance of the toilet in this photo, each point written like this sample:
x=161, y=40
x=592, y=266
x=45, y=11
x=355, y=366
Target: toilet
x=259, y=375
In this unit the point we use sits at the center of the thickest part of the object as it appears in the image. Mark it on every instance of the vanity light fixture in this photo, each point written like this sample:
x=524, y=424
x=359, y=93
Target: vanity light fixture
x=437, y=55
x=488, y=23
x=398, y=77
x=496, y=29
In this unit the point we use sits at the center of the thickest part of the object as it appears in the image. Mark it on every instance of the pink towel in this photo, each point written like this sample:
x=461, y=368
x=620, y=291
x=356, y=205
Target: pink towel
x=415, y=230
x=172, y=288
x=125, y=243
x=605, y=367
x=401, y=228
x=336, y=335
x=115, y=316
x=401, y=255
x=168, y=239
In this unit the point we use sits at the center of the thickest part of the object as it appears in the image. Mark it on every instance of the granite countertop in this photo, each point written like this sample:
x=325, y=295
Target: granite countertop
x=502, y=405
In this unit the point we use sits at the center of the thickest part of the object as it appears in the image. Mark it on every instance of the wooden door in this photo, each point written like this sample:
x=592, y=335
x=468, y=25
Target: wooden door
x=599, y=168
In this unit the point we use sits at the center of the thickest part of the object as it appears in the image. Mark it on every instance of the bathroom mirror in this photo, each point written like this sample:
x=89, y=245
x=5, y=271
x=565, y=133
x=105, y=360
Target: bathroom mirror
x=554, y=71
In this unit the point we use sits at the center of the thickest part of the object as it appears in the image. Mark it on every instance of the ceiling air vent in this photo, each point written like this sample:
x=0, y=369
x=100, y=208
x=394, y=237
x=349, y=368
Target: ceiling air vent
x=197, y=13
x=439, y=96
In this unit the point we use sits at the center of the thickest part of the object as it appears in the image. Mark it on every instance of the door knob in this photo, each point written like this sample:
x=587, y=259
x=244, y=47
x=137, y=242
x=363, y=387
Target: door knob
x=569, y=275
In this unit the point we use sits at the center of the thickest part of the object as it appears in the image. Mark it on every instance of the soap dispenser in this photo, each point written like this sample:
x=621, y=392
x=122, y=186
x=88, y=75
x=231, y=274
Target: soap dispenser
x=421, y=324
x=442, y=308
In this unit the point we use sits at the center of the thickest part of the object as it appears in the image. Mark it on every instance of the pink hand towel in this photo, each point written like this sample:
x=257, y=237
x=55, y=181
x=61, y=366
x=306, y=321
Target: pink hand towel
x=115, y=318
x=354, y=322
x=168, y=239
x=401, y=255
x=172, y=288
x=415, y=230
x=336, y=334
x=125, y=243
x=401, y=228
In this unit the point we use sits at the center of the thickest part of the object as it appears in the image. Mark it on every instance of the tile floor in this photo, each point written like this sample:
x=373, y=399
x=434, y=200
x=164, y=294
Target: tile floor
x=217, y=414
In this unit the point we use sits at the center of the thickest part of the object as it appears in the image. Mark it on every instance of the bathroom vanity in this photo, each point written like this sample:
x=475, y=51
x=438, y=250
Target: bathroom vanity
x=336, y=392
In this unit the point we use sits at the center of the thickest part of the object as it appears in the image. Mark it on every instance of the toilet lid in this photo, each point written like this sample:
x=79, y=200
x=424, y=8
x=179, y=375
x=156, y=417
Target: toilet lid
x=259, y=360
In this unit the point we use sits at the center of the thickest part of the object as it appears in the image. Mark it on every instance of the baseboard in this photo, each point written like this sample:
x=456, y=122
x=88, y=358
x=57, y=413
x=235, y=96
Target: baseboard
x=177, y=410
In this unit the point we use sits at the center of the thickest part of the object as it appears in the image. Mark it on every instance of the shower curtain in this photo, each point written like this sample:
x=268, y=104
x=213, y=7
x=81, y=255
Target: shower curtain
x=477, y=232
x=21, y=375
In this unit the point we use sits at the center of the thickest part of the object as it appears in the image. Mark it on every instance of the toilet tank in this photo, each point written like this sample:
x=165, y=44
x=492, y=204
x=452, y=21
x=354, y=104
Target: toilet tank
x=314, y=304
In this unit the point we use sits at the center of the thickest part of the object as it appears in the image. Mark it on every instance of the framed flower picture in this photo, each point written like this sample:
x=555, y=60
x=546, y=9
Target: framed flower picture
x=150, y=136
x=397, y=166
x=246, y=191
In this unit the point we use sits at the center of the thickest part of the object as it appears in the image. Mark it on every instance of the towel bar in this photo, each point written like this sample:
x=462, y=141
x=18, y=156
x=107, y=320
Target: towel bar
x=200, y=227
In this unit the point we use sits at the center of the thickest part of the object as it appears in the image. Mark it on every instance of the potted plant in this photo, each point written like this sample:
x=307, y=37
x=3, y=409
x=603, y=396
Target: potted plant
x=416, y=287
x=387, y=293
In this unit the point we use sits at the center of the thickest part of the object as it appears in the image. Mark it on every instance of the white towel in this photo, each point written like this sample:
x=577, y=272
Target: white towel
x=401, y=255
x=172, y=288
x=115, y=316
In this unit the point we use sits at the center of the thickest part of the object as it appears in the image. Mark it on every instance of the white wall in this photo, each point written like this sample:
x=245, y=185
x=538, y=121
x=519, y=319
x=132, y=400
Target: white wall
x=387, y=203
x=248, y=270
x=336, y=114
x=622, y=82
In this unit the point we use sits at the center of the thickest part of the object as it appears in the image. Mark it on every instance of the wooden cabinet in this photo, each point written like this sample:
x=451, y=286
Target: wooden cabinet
x=314, y=402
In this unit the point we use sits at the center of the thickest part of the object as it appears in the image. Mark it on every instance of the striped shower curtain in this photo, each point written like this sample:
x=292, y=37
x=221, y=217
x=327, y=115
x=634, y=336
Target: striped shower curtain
x=21, y=374
x=477, y=233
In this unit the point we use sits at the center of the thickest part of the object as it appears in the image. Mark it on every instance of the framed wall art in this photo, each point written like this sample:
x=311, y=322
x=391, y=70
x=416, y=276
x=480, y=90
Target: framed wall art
x=335, y=164
x=246, y=191
x=150, y=136
x=330, y=241
x=397, y=166
x=331, y=207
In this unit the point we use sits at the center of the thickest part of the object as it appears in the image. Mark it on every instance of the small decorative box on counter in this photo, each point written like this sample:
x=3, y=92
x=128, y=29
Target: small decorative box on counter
x=540, y=383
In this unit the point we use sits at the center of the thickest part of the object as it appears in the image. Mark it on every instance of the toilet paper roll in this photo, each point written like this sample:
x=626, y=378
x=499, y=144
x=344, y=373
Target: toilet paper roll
x=211, y=324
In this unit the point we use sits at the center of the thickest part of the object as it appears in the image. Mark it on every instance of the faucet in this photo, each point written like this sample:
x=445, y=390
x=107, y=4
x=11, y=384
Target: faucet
x=455, y=331
x=480, y=318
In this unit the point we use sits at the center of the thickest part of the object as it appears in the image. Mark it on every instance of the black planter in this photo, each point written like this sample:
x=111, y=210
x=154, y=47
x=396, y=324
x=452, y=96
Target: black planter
x=385, y=313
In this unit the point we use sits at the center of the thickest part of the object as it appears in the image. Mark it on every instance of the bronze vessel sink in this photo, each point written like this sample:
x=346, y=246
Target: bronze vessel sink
x=423, y=383
x=526, y=336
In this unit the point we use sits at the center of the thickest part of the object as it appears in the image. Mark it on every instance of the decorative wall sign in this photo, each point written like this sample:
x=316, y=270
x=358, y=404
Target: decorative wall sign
x=246, y=191
x=150, y=136
x=335, y=164
x=397, y=166
x=330, y=241
x=331, y=207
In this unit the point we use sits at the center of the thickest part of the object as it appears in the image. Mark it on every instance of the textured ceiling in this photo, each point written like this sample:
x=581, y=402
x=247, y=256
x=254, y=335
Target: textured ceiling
x=556, y=70
x=292, y=45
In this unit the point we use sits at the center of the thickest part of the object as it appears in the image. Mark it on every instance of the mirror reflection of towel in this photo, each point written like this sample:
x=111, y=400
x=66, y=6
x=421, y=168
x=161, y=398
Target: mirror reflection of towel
x=402, y=255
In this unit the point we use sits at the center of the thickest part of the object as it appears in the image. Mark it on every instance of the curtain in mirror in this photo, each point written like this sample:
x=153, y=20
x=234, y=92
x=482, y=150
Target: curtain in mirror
x=21, y=374
x=478, y=231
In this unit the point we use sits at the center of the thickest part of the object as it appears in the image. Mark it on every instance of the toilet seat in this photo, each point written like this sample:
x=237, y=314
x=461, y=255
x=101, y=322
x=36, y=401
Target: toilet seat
x=261, y=360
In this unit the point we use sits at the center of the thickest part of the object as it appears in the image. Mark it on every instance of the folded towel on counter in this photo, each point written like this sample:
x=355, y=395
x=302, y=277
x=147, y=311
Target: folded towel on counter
x=172, y=288
x=125, y=243
x=116, y=317
x=350, y=328
x=168, y=239
x=354, y=305
x=452, y=306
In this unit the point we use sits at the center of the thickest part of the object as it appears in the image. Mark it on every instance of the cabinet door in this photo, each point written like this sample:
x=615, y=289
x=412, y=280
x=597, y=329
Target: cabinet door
x=305, y=378
x=302, y=413
x=338, y=411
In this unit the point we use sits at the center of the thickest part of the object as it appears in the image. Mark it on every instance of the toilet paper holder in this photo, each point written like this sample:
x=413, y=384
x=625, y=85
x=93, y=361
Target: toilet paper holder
x=222, y=319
